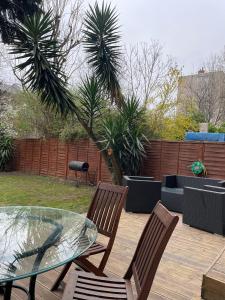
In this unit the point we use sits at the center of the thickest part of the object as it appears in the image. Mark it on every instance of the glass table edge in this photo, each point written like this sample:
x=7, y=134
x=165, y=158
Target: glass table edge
x=44, y=270
x=46, y=207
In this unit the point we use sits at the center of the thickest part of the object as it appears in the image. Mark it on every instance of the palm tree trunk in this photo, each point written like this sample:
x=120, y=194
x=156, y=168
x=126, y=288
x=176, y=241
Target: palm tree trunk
x=110, y=160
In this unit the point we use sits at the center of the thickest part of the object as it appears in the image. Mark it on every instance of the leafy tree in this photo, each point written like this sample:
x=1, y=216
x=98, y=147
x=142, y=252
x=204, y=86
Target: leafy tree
x=29, y=118
x=196, y=116
x=164, y=105
x=175, y=128
x=213, y=128
x=222, y=128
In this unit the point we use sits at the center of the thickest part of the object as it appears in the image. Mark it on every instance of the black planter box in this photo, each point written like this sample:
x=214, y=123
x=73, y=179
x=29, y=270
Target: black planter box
x=143, y=193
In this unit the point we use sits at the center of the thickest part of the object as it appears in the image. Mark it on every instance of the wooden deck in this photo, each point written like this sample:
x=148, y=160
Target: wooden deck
x=213, y=285
x=188, y=256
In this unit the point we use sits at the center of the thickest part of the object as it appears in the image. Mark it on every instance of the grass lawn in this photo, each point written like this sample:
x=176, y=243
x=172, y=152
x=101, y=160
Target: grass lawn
x=22, y=189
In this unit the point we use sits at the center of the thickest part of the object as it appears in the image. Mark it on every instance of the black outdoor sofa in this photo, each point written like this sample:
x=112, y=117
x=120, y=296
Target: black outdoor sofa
x=172, y=193
x=143, y=193
x=205, y=208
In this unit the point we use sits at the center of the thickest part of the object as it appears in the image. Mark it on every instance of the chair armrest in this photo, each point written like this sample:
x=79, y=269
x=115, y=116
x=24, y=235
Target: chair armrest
x=214, y=188
x=140, y=178
x=222, y=183
x=170, y=181
x=127, y=179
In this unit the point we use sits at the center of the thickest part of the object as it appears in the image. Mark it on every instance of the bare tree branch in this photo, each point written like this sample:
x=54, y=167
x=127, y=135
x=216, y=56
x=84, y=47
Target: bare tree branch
x=68, y=24
x=146, y=71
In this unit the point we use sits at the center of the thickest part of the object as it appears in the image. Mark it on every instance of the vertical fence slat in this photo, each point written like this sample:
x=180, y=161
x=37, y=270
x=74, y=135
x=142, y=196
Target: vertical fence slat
x=61, y=160
x=53, y=154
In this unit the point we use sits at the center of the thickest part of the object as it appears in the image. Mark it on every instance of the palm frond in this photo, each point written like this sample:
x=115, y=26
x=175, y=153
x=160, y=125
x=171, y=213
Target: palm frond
x=13, y=11
x=91, y=102
x=132, y=110
x=101, y=43
x=123, y=133
x=37, y=50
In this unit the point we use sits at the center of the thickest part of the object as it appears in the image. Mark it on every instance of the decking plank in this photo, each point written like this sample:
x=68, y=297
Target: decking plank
x=188, y=256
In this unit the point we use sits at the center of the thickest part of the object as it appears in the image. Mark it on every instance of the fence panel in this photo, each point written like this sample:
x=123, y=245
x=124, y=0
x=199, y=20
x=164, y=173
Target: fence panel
x=51, y=157
x=188, y=153
x=22, y=153
x=93, y=160
x=36, y=155
x=62, y=160
x=72, y=155
x=169, y=158
x=44, y=157
x=152, y=161
x=214, y=159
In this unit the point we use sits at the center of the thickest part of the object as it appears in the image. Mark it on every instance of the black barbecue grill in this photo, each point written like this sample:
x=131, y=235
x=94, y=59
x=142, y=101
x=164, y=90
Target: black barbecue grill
x=79, y=166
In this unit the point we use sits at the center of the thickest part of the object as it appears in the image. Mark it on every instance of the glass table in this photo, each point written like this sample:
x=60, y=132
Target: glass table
x=34, y=240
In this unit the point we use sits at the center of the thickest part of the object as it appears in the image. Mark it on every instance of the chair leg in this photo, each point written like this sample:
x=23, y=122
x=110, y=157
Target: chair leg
x=104, y=261
x=61, y=276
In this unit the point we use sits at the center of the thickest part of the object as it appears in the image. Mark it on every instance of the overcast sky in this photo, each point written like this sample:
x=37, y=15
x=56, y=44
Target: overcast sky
x=189, y=30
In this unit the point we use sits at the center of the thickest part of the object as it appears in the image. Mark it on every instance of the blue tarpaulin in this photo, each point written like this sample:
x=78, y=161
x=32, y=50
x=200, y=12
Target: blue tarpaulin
x=205, y=136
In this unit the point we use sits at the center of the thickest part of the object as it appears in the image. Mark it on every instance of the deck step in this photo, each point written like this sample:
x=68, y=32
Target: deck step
x=213, y=284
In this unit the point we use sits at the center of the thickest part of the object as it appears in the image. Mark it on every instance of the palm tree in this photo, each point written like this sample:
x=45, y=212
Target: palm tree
x=102, y=45
x=12, y=11
x=37, y=48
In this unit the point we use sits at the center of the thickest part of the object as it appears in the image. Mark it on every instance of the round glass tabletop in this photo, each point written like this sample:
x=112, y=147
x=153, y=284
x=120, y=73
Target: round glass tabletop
x=36, y=239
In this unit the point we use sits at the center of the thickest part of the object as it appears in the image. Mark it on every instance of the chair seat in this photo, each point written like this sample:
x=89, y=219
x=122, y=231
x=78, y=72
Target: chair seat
x=94, y=249
x=87, y=286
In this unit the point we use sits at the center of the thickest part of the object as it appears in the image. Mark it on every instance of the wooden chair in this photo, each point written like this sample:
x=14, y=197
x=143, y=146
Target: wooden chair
x=156, y=234
x=104, y=211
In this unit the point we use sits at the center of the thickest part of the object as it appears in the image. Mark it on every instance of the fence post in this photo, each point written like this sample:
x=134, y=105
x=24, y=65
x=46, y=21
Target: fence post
x=203, y=152
x=178, y=157
x=99, y=172
x=160, y=165
x=40, y=154
x=67, y=157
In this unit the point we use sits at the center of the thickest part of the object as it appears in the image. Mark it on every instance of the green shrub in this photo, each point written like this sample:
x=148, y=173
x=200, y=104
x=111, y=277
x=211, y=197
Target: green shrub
x=123, y=134
x=6, y=149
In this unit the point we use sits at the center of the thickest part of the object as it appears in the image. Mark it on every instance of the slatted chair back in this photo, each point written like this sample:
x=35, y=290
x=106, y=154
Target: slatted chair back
x=150, y=249
x=106, y=207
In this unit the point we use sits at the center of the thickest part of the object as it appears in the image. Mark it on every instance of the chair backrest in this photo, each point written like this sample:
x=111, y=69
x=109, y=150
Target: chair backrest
x=197, y=182
x=150, y=249
x=106, y=207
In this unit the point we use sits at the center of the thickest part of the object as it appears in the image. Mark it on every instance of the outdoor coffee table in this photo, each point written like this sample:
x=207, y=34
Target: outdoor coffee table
x=34, y=240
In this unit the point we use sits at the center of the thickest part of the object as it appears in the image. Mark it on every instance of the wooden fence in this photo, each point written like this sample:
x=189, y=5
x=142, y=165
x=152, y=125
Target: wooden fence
x=51, y=157
x=166, y=157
